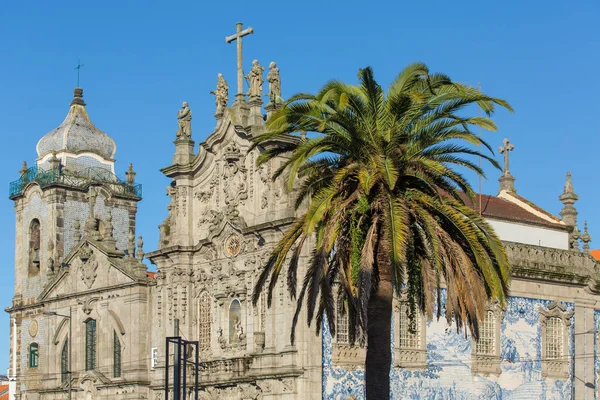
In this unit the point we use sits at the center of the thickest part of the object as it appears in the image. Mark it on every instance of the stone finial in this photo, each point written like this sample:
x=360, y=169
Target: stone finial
x=108, y=225
x=184, y=120
x=130, y=174
x=586, y=238
x=140, y=249
x=507, y=181
x=568, y=198
x=54, y=161
x=131, y=244
x=91, y=225
x=23, y=169
x=221, y=95
x=78, y=97
x=77, y=231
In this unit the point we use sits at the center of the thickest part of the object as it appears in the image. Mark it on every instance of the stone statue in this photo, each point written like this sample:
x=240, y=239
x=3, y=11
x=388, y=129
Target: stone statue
x=185, y=121
x=221, y=94
x=256, y=80
x=274, y=82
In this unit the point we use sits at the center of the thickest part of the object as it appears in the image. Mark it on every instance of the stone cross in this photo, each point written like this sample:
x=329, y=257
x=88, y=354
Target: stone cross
x=238, y=37
x=504, y=150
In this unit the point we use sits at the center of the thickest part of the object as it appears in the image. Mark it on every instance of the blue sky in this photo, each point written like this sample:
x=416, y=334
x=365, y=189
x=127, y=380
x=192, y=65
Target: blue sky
x=142, y=59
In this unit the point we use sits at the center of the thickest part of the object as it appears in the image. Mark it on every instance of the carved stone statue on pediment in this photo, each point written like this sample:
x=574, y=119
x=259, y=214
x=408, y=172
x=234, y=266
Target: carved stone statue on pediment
x=256, y=80
x=221, y=94
x=274, y=83
x=184, y=117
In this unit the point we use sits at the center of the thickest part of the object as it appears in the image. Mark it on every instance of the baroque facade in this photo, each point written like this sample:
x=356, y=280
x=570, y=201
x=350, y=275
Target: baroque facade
x=88, y=318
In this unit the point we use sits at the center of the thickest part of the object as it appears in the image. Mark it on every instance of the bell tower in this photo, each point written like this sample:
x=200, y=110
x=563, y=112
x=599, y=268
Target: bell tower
x=52, y=198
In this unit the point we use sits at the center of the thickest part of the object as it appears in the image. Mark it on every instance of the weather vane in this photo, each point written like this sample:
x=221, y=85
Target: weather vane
x=78, y=68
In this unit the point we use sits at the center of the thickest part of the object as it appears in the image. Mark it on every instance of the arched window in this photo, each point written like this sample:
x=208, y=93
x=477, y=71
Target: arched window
x=486, y=345
x=116, y=355
x=341, y=324
x=204, y=321
x=235, y=321
x=64, y=361
x=90, y=344
x=33, y=355
x=34, y=247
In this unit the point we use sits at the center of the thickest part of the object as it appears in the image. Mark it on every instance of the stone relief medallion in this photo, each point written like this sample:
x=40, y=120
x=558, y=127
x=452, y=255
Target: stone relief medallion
x=33, y=328
x=233, y=245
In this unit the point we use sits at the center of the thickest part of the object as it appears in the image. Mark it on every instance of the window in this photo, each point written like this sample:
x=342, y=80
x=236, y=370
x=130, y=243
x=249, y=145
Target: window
x=410, y=349
x=34, y=247
x=485, y=352
x=555, y=322
x=409, y=330
x=116, y=355
x=90, y=345
x=64, y=361
x=235, y=322
x=341, y=324
x=487, y=333
x=33, y=355
x=204, y=322
x=554, y=338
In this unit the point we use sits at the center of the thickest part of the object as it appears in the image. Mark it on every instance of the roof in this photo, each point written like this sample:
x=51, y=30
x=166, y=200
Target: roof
x=595, y=254
x=77, y=134
x=494, y=207
x=150, y=274
x=4, y=392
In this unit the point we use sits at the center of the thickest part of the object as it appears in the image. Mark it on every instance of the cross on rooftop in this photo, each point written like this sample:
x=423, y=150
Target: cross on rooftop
x=507, y=146
x=78, y=68
x=237, y=36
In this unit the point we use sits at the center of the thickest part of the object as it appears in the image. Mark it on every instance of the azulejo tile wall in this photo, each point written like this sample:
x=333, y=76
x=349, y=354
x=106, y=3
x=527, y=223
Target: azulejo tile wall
x=448, y=374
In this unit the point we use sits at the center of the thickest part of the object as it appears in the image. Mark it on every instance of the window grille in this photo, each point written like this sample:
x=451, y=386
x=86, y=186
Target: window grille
x=204, y=322
x=409, y=330
x=64, y=361
x=487, y=335
x=33, y=355
x=90, y=345
x=116, y=355
x=341, y=324
x=554, y=338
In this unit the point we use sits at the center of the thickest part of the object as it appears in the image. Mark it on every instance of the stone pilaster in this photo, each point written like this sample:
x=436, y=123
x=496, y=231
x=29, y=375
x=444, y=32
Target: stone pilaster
x=255, y=118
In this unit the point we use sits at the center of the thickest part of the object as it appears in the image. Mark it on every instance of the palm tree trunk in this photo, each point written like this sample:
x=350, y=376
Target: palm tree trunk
x=379, y=311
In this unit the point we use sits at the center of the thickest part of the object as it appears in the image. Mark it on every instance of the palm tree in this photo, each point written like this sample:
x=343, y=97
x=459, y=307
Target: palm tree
x=383, y=208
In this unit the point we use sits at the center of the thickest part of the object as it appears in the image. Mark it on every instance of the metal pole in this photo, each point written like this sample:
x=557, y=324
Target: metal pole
x=70, y=351
x=167, y=370
x=184, y=370
x=196, y=369
x=177, y=364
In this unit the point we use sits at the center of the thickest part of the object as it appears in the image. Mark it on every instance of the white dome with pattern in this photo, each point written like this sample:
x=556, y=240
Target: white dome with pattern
x=77, y=134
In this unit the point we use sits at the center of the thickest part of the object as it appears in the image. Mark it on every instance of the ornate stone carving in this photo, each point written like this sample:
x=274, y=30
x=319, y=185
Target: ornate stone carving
x=233, y=245
x=256, y=80
x=88, y=269
x=234, y=178
x=184, y=117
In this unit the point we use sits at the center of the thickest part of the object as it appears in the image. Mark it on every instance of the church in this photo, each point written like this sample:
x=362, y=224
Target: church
x=89, y=321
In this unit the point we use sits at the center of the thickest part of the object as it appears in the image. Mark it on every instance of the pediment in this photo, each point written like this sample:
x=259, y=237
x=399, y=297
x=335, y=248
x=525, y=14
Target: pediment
x=89, y=267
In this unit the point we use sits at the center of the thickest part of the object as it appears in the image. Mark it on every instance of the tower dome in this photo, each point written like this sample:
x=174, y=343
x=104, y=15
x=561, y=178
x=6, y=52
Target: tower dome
x=76, y=136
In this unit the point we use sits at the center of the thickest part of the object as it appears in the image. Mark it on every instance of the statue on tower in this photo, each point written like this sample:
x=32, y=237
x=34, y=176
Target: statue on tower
x=255, y=77
x=221, y=94
x=274, y=83
x=184, y=117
